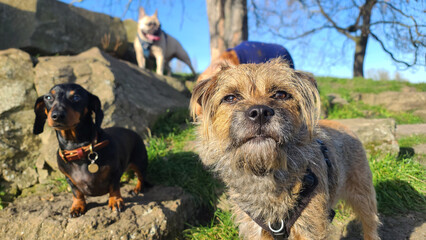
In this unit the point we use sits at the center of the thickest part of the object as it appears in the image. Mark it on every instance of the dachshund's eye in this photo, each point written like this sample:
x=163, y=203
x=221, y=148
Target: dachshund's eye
x=76, y=98
x=281, y=95
x=48, y=98
x=230, y=99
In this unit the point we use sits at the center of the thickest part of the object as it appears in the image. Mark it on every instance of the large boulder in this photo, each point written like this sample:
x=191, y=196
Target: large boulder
x=161, y=213
x=18, y=146
x=131, y=97
x=52, y=27
x=377, y=135
x=397, y=101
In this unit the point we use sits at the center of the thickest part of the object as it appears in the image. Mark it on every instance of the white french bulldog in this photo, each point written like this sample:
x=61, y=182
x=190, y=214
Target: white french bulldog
x=151, y=40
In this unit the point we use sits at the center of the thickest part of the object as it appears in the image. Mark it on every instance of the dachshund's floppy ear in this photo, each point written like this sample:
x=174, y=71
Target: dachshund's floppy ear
x=40, y=112
x=95, y=106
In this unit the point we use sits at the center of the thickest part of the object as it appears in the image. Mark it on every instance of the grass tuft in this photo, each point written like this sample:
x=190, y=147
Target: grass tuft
x=170, y=164
x=221, y=227
x=400, y=184
x=411, y=141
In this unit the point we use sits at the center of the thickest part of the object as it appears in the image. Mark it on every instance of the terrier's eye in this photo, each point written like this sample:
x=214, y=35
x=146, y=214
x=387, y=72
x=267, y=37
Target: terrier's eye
x=48, y=98
x=281, y=95
x=76, y=98
x=230, y=99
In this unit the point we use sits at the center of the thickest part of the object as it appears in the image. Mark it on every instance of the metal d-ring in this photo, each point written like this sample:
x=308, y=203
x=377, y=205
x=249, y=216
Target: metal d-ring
x=93, y=156
x=276, y=230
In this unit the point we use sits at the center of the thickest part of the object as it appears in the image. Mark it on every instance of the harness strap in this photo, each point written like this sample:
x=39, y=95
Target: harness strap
x=146, y=46
x=281, y=231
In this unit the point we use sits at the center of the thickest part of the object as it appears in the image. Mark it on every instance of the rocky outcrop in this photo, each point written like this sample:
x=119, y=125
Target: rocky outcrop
x=377, y=135
x=131, y=98
x=17, y=143
x=51, y=27
x=158, y=214
x=397, y=101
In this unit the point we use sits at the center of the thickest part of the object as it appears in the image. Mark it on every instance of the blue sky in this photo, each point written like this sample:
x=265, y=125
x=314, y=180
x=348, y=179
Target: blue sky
x=188, y=23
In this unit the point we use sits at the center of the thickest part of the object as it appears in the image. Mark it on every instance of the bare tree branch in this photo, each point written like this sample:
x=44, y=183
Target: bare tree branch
x=126, y=8
x=391, y=54
x=338, y=28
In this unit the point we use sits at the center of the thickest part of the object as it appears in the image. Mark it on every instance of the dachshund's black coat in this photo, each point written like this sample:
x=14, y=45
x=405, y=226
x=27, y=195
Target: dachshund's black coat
x=68, y=109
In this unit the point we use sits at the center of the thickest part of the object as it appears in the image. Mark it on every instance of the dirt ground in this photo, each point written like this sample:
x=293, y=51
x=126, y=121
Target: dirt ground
x=408, y=227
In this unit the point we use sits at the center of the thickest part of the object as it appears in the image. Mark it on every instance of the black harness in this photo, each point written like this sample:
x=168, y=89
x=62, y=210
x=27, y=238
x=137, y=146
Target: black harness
x=281, y=230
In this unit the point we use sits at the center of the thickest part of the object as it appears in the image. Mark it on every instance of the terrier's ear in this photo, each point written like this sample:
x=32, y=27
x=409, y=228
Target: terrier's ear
x=141, y=12
x=308, y=76
x=156, y=13
x=205, y=84
x=40, y=112
x=95, y=106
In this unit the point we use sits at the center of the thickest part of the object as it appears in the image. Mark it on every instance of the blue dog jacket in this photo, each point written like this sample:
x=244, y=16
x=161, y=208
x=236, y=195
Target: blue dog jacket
x=258, y=52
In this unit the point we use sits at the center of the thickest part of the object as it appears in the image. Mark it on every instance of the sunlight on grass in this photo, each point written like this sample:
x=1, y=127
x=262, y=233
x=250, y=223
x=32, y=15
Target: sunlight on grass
x=170, y=164
x=411, y=141
x=221, y=227
x=400, y=184
x=361, y=110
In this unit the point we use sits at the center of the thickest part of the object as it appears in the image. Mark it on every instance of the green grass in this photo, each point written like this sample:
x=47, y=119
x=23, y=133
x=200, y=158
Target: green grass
x=411, y=141
x=170, y=164
x=183, y=76
x=360, y=110
x=221, y=227
x=400, y=184
x=1, y=194
x=346, y=88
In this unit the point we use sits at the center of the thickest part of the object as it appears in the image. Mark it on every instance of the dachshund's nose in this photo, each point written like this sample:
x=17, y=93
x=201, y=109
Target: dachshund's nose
x=58, y=115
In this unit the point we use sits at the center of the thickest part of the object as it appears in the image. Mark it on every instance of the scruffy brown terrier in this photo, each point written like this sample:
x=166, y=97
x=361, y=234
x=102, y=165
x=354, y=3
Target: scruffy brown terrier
x=285, y=169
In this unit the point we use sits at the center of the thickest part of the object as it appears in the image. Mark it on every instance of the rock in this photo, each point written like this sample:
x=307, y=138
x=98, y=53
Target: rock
x=50, y=27
x=396, y=101
x=158, y=214
x=131, y=97
x=27, y=179
x=420, y=113
x=335, y=99
x=410, y=129
x=17, y=96
x=377, y=135
x=420, y=149
x=131, y=27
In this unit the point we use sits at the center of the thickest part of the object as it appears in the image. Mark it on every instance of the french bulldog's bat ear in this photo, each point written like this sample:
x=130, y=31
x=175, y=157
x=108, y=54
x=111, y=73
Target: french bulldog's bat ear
x=95, y=106
x=40, y=112
x=141, y=12
x=156, y=13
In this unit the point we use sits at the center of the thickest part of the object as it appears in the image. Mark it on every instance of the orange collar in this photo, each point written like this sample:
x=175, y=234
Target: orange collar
x=81, y=152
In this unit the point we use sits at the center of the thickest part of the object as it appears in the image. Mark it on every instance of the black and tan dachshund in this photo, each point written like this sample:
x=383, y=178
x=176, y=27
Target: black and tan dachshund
x=91, y=158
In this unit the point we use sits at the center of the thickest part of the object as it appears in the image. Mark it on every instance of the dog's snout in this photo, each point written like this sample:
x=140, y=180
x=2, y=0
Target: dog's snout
x=58, y=115
x=260, y=113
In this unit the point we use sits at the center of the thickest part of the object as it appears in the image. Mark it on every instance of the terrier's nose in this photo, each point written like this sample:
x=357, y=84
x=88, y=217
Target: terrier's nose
x=260, y=113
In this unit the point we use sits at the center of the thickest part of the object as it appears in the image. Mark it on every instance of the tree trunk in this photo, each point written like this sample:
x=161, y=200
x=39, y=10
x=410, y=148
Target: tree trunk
x=361, y=41
x=227, y=24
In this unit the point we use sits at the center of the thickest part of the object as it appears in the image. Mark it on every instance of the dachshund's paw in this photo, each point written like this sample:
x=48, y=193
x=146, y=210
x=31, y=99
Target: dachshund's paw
x=78, y=208
x=116, y=204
